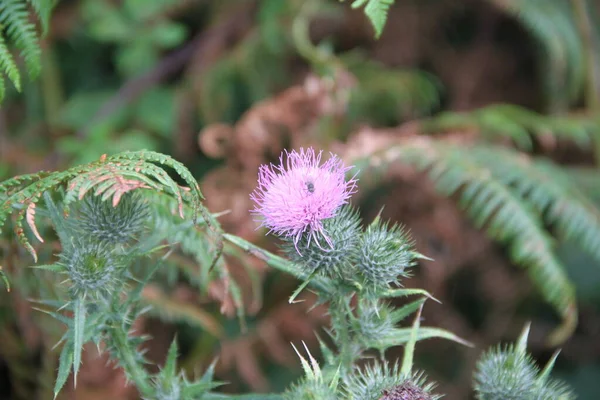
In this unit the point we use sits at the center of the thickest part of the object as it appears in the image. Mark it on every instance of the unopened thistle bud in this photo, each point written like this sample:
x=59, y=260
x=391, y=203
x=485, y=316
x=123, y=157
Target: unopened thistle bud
x=101, y=221
x=315, y=385
x=344, y=232
x=310, y=390
x=384, y=255
x=374, y=320
x=504, y=373
x=509, y=373
x=91, y=267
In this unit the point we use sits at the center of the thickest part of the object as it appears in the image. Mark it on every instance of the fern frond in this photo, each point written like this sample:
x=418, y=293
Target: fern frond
x=43, y=9
x=109, y=177
x=22, y=33
x=550, y=190
x=502, y=211
x=552, y=23
x=518, y=124
x=376, y=11
x=15, y=17
x=9, y=67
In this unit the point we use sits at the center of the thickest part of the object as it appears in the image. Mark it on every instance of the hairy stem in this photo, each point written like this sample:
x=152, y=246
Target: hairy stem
x=339, y=310
x=130, y=363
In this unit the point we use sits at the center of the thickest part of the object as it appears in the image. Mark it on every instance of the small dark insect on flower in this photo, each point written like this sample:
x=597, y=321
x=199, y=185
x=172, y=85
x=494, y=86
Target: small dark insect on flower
x=310, y=186
x=406, y=391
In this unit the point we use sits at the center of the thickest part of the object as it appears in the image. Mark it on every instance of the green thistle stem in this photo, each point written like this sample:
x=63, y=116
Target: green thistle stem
x=135, y=371
x=339, y=309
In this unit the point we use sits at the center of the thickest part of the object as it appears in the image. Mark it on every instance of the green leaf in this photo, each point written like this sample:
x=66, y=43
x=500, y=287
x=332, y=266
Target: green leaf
x=195, y=389
x=545, y=374
x=78, y=334
x=170, y=368
x=167, y=35
x=49, y=267
x=404, y=311
x=64, y=367
x=409, y=350
x=521, y=345
x=396, y=293
x=14, y=16
x=376, y=11
x=401, y=336
x=9, y=67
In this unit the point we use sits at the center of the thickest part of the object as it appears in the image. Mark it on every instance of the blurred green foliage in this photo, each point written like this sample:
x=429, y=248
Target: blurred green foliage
x=113, y=76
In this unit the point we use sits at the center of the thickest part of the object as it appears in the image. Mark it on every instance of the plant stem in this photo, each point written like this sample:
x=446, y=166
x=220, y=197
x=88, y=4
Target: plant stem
x=128, y=360
x=340, y=324
x=592, y=100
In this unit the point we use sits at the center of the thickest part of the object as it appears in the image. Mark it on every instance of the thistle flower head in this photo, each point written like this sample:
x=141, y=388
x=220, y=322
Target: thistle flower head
x=382, y=381
x=295, y=196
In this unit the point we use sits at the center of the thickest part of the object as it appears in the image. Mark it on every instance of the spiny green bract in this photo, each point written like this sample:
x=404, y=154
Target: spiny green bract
x=310, y=389
x=384, y=254
x=555, y=390
x=92, y=267
x=505, y=373
x=374, y=320
x=344, y=232
x=382, y=381
x=101, y=221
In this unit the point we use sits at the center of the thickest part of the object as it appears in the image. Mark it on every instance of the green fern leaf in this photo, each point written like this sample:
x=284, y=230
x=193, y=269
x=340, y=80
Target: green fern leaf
x=8, y=65
x=376, y=11
x=501, y=210
x=43, y=9
x=518, y=124
x=552, y=24
x=15, y=17
x=550, y=190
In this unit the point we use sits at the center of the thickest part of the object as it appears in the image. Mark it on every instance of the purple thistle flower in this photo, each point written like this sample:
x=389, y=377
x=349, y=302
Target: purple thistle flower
x=295, y=197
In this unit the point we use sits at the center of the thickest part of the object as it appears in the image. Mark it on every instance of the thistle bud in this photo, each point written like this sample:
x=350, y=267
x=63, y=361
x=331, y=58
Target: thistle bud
x=310, y=390
x=336, y=260
x=316, y=385
x=91, y=268
x=101, y=221
x=384, y=255
x=509, y=373
x=374, y=320
x=505, y=374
